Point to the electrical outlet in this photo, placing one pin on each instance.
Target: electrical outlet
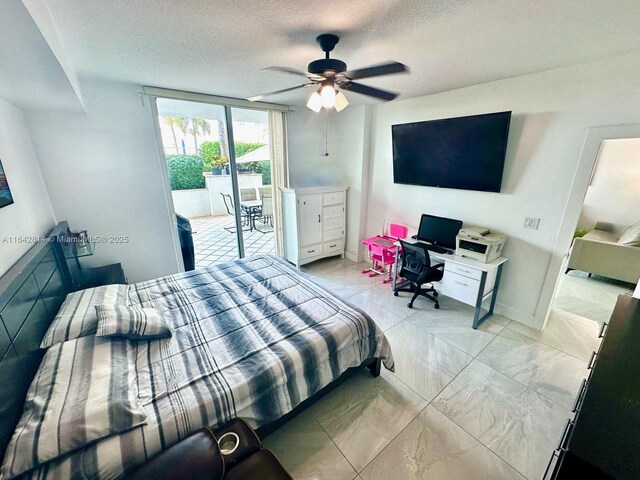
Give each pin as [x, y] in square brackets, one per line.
[531, 222]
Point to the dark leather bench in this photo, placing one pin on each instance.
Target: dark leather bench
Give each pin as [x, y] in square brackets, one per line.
[200, 457]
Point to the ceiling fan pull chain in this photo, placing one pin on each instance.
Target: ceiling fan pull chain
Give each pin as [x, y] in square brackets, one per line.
[326, 133]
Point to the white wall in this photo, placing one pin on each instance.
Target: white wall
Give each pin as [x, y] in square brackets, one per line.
[103, 174]
[31, 213]
[614, 193]
[551, 114]
[347, 163]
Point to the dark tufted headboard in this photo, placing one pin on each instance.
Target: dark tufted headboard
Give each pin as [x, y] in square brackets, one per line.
[31, 293]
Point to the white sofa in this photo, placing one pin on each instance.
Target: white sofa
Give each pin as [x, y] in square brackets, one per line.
[600, 253]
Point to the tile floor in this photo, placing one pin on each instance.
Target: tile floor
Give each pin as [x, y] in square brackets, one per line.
[214, 244]
[463, 404]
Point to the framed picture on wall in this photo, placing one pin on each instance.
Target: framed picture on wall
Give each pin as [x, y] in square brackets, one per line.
[5, 193]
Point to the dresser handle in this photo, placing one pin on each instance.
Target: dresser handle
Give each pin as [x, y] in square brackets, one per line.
[546, 470]
[460, 283]
[576, 404]
[318, 218]
[564, 434]
[333, 246]
[602, 329]
[310, 251]
[592, 362]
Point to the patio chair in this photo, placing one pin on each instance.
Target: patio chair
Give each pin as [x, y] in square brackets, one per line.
[265, 190]
[247, 194]
[266, 217]
[244, 217]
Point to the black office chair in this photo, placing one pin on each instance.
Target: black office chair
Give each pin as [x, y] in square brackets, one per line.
[417, 269]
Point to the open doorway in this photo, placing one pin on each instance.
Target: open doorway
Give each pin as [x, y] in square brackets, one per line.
[604, 258]
[231, 213]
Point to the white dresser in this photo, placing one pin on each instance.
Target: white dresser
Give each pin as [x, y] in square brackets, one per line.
[314, 222]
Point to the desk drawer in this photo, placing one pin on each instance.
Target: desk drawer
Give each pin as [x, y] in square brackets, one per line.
[332, 198]
[334, 246]
[463, 289]
[333, 222]
[463, 270]
[310, 251]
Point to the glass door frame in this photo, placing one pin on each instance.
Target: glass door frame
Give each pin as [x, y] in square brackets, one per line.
[153, 93]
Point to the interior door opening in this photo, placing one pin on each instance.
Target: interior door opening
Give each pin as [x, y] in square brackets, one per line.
[601, 264]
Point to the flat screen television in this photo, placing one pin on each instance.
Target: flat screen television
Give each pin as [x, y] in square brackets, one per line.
[466, 152]
[440, 231]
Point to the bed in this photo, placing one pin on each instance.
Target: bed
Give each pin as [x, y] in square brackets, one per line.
[253, 338]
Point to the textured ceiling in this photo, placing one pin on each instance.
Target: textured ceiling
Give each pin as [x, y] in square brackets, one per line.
[220, 47]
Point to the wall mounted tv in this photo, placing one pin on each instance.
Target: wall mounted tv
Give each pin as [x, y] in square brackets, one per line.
[466, 152]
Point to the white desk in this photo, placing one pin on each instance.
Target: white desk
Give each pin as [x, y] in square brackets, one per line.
[465, 280]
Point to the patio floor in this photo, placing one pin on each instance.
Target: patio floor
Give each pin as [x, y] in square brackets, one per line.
[214, 244]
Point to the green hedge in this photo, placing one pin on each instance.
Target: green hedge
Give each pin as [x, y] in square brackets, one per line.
[185, 171]
[210, 149]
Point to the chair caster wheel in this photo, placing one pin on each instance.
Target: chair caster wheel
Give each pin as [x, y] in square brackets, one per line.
[435, 294]
[409, 305]
[437, 306]
[395, 294]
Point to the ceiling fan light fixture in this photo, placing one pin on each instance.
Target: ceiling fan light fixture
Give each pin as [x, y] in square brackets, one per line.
[341, 102]
[315, 102]
[328, 94]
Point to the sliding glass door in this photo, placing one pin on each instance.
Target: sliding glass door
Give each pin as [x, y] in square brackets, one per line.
[219, 167]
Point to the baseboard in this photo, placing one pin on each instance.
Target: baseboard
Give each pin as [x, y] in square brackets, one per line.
[351, 256]
[515, 314]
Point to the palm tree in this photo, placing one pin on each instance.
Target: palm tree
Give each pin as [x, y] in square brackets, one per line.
[222, 134]
[173, 122]
[199, 125]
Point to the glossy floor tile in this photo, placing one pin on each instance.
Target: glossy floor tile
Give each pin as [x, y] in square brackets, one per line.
[554, 374]
[577, 338]
[519, 425]
[433, 447]
[364, 414]
[424, 362]
[498, 416]
[457, 331]
[307, 452]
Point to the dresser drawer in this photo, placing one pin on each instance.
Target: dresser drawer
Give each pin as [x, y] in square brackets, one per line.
[463, 270]
[334, 246]
[333, 211]
[463, 289]
[333, 222]
[332, 234]
[310, 251]
[332, 198]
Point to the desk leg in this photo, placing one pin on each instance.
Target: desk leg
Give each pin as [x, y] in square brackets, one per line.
[494, 295]
[476, 317]
[395, 269]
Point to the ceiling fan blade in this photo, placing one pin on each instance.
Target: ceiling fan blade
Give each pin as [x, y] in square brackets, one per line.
[376, 70]
[291, 71]
[256, 98]
[370, 91]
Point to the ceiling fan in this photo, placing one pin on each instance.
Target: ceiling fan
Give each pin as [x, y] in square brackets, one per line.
[330, 75]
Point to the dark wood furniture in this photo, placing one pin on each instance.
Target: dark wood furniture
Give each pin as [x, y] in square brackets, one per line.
[602, 439]
[31, 293]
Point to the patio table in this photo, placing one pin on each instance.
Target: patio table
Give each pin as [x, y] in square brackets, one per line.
[252, 207]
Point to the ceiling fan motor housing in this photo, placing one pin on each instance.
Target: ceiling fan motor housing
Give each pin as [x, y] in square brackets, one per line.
[319, 67]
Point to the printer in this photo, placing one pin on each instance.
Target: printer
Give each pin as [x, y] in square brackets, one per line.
[479, 243]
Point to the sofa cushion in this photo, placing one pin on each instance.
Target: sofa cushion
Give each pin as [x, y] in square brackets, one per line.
[601, 236]
[631, 236]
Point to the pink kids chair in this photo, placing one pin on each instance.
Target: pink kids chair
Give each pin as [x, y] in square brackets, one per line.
[382, 250]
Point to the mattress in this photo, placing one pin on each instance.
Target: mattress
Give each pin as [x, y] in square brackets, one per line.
[251, 338]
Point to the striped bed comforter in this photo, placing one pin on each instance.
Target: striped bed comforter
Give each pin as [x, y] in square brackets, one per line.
[251, 338]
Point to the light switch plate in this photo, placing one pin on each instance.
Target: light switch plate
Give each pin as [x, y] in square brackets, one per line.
[531, 222]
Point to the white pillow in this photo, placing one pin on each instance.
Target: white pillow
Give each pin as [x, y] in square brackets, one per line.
[77, 316]
[631, 236]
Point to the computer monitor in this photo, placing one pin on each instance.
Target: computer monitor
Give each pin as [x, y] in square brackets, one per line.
[439, 230]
